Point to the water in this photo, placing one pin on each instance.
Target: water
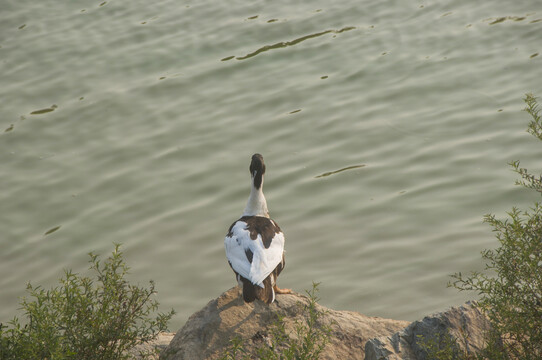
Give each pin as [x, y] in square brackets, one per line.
[134, 122]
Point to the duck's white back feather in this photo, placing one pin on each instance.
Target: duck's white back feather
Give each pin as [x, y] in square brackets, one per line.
[264, 260]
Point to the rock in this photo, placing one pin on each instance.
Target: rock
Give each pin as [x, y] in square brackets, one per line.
[207, 333]
[152, 347]
[465, 323]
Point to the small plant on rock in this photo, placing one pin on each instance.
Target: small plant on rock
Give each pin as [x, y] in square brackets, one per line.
[307, 341]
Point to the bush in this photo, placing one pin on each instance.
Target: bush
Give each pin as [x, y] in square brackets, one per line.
[85, 318]
[510, 289]
[442, 346]
[307, 342]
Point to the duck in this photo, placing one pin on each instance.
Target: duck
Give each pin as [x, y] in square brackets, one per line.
[254, 244]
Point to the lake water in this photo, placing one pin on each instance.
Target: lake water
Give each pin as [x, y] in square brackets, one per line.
[134, 122]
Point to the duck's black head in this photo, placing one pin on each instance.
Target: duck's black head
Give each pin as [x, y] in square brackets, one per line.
[257, 169]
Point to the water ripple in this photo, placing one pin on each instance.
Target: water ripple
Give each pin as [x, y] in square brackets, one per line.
[340, 170]
[284, 44]
[44, 111]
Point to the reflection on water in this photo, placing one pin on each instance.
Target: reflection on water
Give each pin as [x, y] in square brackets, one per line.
[50, 231]
[340, 170]
[44, 111]
[502, 19]
[284, 44]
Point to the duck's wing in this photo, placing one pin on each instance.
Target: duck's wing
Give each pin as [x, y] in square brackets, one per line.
[254, 247]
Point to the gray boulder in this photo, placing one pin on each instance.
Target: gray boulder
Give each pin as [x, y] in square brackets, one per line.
[465, 323]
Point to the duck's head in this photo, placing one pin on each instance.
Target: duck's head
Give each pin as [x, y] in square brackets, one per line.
[257, 169]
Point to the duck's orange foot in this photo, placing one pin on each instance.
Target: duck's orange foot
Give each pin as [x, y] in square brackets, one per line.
[281, 291]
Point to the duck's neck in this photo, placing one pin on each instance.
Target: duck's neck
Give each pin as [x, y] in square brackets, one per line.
[256, 204]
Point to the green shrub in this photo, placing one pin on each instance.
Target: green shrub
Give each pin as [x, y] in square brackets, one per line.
[442, 346]
[85, 318]
[510, 288]
[306, 342]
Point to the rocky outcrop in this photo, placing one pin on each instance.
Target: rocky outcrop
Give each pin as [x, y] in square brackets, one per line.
[207, 333]
[152, 347]
[465, 323]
